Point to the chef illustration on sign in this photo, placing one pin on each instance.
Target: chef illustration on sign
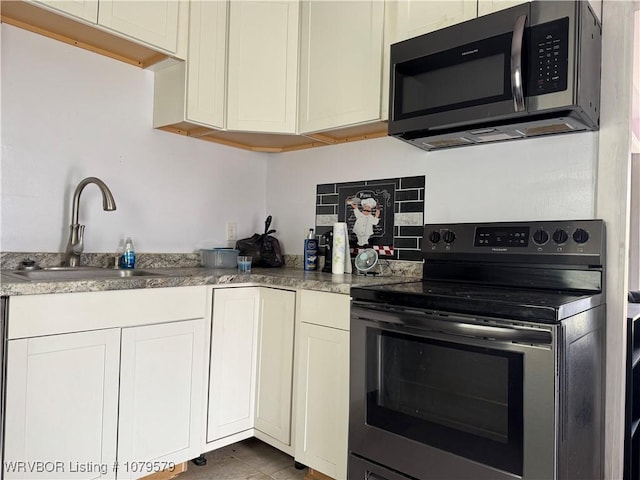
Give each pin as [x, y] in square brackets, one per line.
[365, 219]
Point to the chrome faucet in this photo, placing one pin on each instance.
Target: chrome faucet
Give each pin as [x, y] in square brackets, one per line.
[75, 245]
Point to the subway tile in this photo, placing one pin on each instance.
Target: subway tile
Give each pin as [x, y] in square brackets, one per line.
[328, 199]
[408, 207]
[404, 195]
[410, 255]
[412, 182]
[404, 219]
[326, 220]
[325, 209]
[395, 181]
[321, 230]
[406, 242]
[410, 231]
[326, 188]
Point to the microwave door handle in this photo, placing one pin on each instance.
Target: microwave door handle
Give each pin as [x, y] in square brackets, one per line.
[517, 88]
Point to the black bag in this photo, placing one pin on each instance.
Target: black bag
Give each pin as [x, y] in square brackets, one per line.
[264, 249]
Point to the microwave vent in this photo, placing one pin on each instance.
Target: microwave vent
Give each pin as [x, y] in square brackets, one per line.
[547, 129]
[495, 137]
[447, 142]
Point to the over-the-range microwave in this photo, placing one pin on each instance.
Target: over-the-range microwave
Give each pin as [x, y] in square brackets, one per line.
[529, 70]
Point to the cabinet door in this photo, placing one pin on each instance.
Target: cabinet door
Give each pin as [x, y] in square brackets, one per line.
[206, 65]
[323, 399]
[409, 18]
[340, 63]
[233, 360]
[417, 17]
[84, 9]
[62, 406]
[275, 363]
[490, 6]
[154, 22]
[263, 66]
[161, 388]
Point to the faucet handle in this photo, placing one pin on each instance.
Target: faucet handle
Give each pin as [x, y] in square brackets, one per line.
[78, 247]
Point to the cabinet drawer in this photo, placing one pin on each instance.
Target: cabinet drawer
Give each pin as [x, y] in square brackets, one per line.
[48, 314]
[326, 309]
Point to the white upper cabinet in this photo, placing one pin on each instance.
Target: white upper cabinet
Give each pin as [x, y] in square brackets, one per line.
[409, 18]
[84, 9]
[192, 94]
[490, 6]
[206, 64]
[340, 63]
[154, 22]
[263, 66]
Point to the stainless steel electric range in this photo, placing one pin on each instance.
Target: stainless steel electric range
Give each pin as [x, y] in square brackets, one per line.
[492, 366]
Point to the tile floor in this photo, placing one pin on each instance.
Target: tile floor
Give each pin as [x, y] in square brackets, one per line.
[250, 459]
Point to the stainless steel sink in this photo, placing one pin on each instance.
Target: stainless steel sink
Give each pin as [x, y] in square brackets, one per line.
[79, 273]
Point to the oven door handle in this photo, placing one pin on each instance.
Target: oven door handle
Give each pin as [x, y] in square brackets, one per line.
[458, 326]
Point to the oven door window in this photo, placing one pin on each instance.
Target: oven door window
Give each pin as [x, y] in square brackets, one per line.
[464, 399]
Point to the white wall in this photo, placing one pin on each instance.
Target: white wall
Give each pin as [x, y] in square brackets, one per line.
[613, 206]
[68, 114]
[536, 179]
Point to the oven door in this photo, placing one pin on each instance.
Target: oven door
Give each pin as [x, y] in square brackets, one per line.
[451, 397]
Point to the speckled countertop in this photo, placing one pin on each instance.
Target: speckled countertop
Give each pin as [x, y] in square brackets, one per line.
[193, 276]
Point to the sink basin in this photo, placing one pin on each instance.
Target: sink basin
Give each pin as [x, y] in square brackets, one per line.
[79, 273]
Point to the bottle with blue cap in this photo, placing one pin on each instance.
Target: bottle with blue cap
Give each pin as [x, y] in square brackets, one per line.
[128, 257]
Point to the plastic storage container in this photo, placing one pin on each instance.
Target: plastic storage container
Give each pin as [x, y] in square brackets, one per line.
[219, 257]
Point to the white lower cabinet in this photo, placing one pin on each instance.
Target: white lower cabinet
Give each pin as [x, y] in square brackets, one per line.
[250, 383]
[78, 403]
[62, 406]
[233, 359]
[322, 405]
[100, 379]
[161, 392]
[275, 365]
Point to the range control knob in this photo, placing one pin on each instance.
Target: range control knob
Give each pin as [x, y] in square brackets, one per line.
[560, 236]
[434, 237]
[449, 236]
[580, 236]
[540, 237]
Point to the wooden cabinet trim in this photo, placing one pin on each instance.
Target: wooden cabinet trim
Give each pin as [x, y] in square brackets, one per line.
[73, 32]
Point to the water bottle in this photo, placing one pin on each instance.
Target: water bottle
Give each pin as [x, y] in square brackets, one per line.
[128, 258]
[310, 251]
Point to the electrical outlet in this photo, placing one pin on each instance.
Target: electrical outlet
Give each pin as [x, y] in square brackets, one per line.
[232, 233]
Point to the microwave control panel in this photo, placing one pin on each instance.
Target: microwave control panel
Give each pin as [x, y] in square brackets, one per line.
[548, 57]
